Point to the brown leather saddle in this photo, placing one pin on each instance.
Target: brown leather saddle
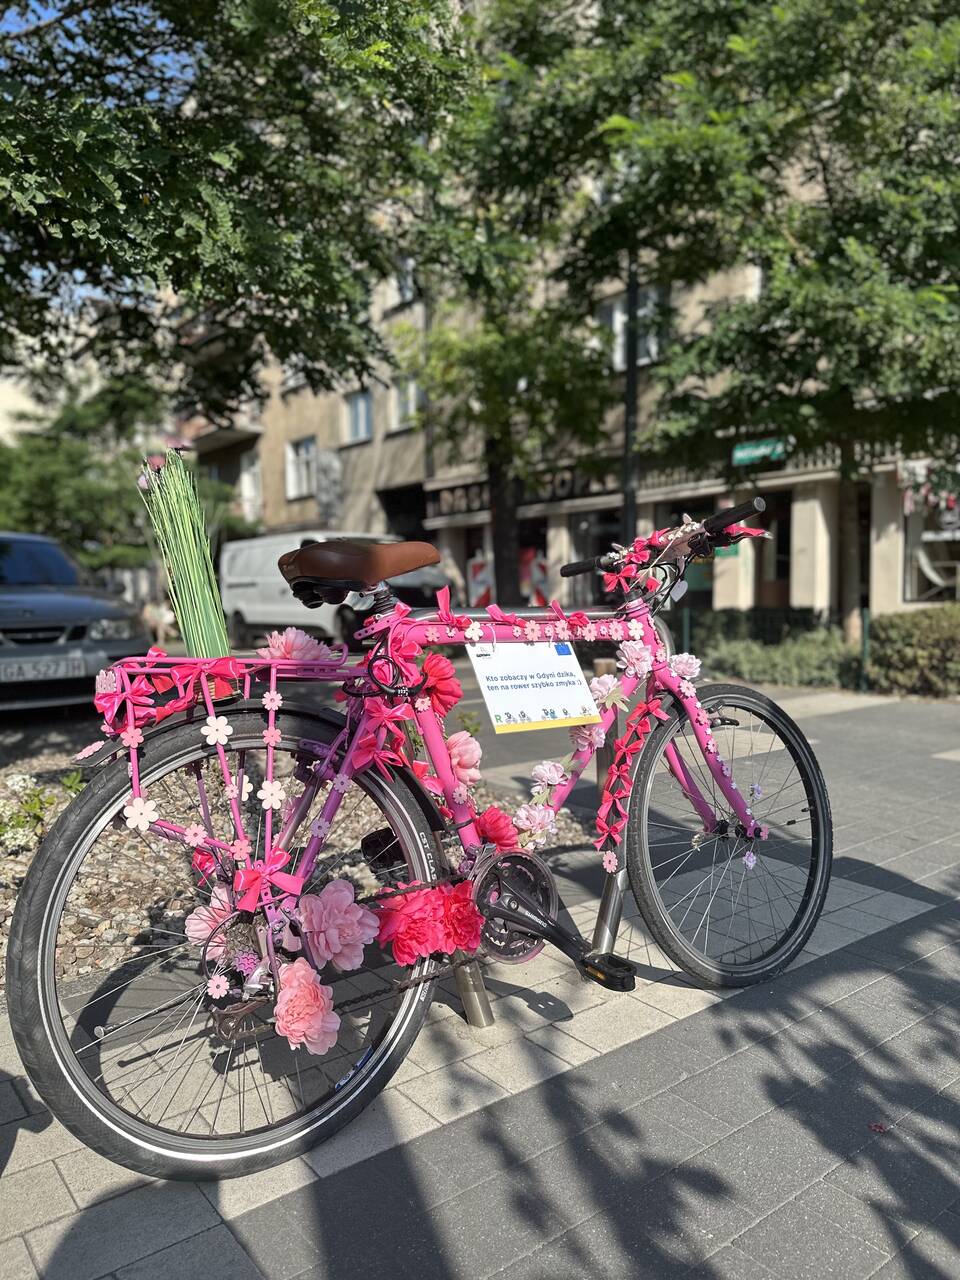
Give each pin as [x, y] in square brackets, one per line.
[323, 572]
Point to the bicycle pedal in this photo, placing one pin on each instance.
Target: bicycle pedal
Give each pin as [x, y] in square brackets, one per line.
[609, 970]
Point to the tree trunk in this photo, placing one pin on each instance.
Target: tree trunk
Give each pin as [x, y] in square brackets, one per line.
[504, 500]
[850, 567]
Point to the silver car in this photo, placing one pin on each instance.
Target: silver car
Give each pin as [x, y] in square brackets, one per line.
[57, 629]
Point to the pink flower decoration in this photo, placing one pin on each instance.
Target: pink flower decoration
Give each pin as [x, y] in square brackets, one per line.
[88, 750]
[203, 920]
[204, 864]
[603, 630]
[131, 738]
[538, 820]
[496, 828]
[460, 794]
[422, 704]
[272, 700]
[531, 630]
[562, 630]
[635, 659]
[304, 1009]
[660, 653]
[272, 737]
[687, 690]
[749, 859]
[295, 645]
[413, 924]
[462, 923]
[685, 665]
[611, 862]
[616, 630]
[517, 632]
[431, 635]
[635, 627]
[241, 848]
[600, 686]
[217, 986]
[549, 774]
[337, 927]
[195, 834]
[465, 753]
[589, 631]
[474, 632]
[588, 737]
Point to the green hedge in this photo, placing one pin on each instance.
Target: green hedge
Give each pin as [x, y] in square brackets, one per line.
[817, 658]
[916, 652]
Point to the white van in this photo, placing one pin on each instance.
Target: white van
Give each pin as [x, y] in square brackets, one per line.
[256, 599]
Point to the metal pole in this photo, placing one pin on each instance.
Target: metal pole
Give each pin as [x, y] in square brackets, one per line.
[864, 647]
[473, 994]
[630, 403]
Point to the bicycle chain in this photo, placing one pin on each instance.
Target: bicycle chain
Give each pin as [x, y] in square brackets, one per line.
[395, 987]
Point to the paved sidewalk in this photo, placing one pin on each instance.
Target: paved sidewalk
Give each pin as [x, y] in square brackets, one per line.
[809, 1127]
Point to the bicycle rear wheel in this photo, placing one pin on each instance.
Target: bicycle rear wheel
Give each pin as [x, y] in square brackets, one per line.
[731, 911]
[115, 1018]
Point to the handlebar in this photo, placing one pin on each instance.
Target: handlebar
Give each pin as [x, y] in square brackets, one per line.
[578, 566]
[733, 515]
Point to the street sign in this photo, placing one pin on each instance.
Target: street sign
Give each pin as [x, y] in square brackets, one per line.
[747, 452]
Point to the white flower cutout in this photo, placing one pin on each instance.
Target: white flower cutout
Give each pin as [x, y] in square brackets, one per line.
[474, 632]
[139, 813]
[216, 730]
[341, 783]
[271, 795]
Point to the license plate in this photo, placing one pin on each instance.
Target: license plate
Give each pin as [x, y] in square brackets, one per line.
[13, 670]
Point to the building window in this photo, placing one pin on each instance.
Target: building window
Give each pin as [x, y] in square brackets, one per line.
[301, 468]
[613, 315]
[406, 284]
[406, 396]
[359, 420]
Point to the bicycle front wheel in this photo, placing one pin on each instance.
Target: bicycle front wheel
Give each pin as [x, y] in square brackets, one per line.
[132, 1043]
[731, 911]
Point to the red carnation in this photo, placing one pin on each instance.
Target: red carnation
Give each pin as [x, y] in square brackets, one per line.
[496, 828]
[462, 922]
[441, 685]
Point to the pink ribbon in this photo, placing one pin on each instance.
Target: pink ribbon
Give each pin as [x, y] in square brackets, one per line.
[443, 611]
[251, 881]
[505, 619]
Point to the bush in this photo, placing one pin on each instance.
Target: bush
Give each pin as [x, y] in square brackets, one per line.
[916, 652]
[816, 658]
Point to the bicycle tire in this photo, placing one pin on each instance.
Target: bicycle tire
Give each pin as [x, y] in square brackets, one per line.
[34, 1009]
[710, 970]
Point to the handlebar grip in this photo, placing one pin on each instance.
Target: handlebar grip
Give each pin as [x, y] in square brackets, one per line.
[733, 515]
[577, 566]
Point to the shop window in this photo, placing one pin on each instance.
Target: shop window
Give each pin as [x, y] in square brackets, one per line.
[772, 555]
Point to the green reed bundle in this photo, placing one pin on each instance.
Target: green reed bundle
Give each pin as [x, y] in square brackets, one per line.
[177, 518]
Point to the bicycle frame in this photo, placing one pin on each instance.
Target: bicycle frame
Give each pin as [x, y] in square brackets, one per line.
[361, 743]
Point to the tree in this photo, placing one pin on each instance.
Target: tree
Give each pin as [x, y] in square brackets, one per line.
[189, 189]
[817, 143]
[519, 384]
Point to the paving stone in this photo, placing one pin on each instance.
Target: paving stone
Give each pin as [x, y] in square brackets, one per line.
[868, 1222]
[828, 936]
[390, 1119]
[676, 996]
[767, 1162]
[32, 1140]
[273, 1241]
[15, 1262]
[797, 1242]
[685, 1115]
[616, 1023]
[118, 1231]
[11, 1107]
[32, 1197]
[902, 1176]
[211, 1255]
[453, 1091]
[91, 1177]
[894, 906]
[934, 1252]
[233, 1196]
[729, 1263]
[452, 1040]
[518, 1064]
[557, 1041]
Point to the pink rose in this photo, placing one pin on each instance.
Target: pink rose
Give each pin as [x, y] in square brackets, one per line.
[413, 923]
[462, 922]
[549, 774]
[337, 928]
[496, 828]
[465, 753]
[304, 1009]
[295, 646]
[635, 658]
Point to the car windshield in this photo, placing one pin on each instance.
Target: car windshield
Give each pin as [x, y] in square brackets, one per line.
[25, 563]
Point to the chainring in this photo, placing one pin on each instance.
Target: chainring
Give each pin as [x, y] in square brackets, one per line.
[493, 875]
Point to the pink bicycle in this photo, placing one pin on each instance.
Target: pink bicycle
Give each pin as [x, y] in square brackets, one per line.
[230, 940]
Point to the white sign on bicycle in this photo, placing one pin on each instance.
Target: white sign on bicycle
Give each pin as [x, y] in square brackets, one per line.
[532, 686]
